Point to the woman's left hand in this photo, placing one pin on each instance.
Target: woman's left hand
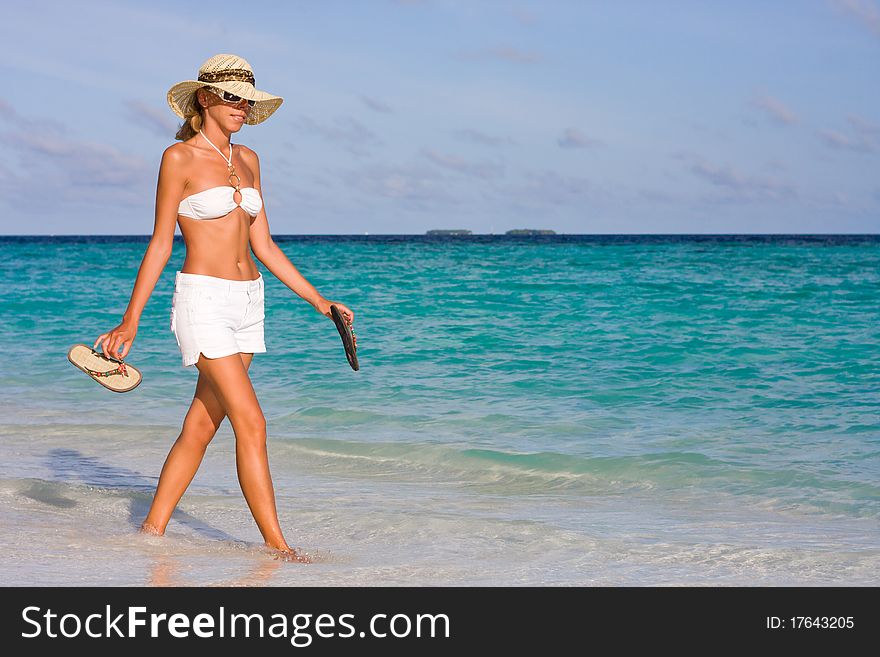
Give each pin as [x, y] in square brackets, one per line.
[323, 307]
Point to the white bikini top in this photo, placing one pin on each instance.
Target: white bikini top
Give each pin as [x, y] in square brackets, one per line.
[218, 202]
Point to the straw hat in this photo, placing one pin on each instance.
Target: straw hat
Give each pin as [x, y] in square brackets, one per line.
[230, 73]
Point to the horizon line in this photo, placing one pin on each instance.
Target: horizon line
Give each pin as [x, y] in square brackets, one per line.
[555, 234]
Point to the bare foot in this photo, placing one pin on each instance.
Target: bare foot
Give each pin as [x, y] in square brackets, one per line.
[147, 528]
[292, 554]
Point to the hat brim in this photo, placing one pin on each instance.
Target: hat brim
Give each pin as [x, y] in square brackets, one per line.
[182, 98]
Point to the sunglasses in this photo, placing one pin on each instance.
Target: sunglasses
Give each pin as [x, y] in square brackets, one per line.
[227, 97]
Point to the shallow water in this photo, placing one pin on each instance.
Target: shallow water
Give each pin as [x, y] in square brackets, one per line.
[565, 411]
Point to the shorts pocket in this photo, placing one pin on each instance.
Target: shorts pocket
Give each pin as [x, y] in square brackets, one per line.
[183, 295]
[261, 302]
[181, 305]
[256, 307]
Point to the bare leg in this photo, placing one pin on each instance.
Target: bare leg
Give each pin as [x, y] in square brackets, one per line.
[229, 380]
[204, 417]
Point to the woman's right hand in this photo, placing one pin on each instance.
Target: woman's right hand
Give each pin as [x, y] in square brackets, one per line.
[112, 342]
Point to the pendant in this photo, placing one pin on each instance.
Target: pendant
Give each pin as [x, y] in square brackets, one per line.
[232, 175]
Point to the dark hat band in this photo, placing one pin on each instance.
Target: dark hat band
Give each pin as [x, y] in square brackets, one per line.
[231, 75]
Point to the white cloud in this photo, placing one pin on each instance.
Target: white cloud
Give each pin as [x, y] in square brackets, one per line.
[354, 136]
[50, 158]
[864, 127]
[376, 105]
[574, 138]
[555, 188]
[864, 11]
[482, 170]
[412, 182]
[864, 136]
[154, 119]
[741, 187]
[477, 137]
[775, 110]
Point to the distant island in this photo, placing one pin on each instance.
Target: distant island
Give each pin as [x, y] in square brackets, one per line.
[531, 231]
[449, 231]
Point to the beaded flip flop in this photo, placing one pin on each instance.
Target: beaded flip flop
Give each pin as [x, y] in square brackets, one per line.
[346, 332]
[113, 374]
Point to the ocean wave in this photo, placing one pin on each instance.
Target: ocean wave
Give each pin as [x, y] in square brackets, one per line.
[536, 473]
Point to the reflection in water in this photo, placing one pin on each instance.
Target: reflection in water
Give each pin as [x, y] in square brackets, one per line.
[71, 466]
[165, 572]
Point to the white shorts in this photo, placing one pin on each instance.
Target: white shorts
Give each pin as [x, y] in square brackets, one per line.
[217, 316]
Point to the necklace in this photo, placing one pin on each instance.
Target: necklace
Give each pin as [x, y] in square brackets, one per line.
[228, 161]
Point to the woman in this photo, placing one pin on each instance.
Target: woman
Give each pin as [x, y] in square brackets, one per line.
[211, 188]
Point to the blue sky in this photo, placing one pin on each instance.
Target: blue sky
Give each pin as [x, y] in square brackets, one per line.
[399, 117]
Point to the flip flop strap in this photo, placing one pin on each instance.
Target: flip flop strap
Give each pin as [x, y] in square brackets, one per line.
[119, 370]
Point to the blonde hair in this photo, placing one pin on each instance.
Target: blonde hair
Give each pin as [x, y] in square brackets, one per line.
[192, 123]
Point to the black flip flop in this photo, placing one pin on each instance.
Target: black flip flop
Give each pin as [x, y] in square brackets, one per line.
[346, 334]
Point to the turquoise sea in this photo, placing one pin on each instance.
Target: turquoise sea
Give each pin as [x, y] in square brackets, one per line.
[560, 410]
